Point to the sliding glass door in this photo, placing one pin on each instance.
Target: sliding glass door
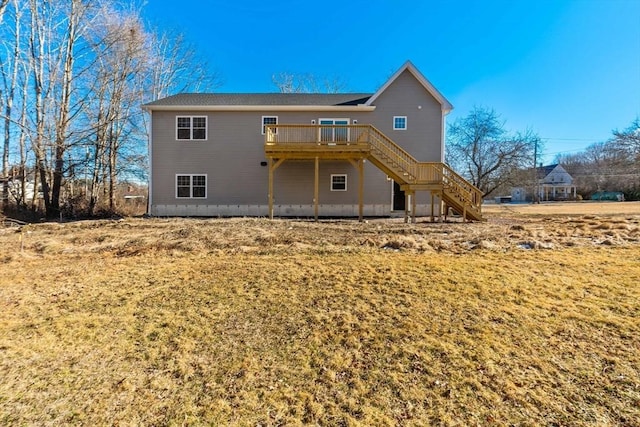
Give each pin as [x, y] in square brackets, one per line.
[330, 130]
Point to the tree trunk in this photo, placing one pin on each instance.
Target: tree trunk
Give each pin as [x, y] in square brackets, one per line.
[62, 124]
[9, 97]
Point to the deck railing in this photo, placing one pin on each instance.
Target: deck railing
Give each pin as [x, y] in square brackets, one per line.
[317, 134]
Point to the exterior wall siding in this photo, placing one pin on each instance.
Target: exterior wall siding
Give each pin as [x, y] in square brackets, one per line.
[237, 183]
[231, 158]
[404, 97]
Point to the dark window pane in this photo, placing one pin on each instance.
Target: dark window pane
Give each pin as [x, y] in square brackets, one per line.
[199, 122]
[183, 192]
[199, 191]
[184, 122]
[199, 134]
[184, 134]
[338, 183]
[199, 180]
[184, 180]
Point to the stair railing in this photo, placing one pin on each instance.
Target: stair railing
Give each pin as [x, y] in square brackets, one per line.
[394, 156]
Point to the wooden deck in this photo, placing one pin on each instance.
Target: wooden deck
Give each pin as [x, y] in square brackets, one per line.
[356, 143]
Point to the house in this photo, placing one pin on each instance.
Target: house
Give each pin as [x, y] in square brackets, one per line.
[16, 192]
[553, 183]
[277, 154]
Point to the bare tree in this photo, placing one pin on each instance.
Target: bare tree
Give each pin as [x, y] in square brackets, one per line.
[629, 139]
[37, 40]
[174, 66]
[73, 75]
[479, 146]
[9, 71]
[3, 6]
[307, 83]
[75, 21]
[121, 57]
[612, 165]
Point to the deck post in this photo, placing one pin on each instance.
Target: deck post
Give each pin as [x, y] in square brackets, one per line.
[413, 207]
[406, 207]
[431, 193]
[316, 190]
[360, 189]
[272, 167]
[270, 187]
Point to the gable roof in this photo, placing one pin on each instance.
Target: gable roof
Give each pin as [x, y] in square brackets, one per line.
[259, 101]
[327, 99]
[290, 101]
[543, 171]
[408, 66]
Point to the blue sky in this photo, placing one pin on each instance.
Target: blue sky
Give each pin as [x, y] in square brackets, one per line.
[569, 70]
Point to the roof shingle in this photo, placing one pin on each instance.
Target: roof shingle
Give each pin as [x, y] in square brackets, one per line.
[206, 99]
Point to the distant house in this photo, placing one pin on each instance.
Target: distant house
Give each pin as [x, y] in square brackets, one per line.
[553, 183]
[16, 192]
[292, 154]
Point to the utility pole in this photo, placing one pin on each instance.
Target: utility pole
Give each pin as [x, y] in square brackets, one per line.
[536, 196]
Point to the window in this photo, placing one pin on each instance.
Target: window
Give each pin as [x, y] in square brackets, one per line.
[191, 186]
[191, 128]
[338, 182]
[268, 120]
[399, 122]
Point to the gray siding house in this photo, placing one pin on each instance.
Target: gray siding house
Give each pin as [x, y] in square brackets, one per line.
[275, 154]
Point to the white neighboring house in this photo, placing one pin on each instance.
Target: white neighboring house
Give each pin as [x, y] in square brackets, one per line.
[554, 183]
[15, 189]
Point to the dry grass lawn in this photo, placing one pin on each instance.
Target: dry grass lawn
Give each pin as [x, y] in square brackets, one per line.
[526, 319]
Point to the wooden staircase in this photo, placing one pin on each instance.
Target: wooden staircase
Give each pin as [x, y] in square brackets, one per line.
[412, 175]
[359, 142]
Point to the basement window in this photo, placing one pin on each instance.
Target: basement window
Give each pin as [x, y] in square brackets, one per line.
[191, 186]
[339, 182]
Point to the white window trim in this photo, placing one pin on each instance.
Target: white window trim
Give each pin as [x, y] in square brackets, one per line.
[206, 185]
[263, 126]
[345, 181]
[399, 117]
[206, 128]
